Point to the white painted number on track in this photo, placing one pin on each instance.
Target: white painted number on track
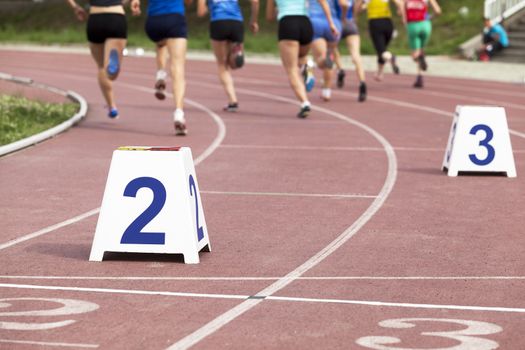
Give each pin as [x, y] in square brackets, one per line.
[69, 307]
[466, 337]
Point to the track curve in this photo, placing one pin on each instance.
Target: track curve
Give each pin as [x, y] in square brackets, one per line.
[277, 191]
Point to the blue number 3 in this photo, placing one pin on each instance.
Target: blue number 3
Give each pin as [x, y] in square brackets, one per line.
[193, 192]
[491, 153]
[134, 234]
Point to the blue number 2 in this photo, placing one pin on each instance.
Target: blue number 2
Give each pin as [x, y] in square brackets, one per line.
[491, 153]
[134, 234]
[193, 192]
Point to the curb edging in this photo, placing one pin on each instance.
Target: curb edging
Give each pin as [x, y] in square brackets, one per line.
[49, 133]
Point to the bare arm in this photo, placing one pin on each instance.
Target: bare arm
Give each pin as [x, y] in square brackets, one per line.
[343, 4]
[436, 7]
[135, 7]
[358, 7]
[254, 24]
[270, 10]
[326, 10]
[80, 13]
[400, 5]
[202, 8]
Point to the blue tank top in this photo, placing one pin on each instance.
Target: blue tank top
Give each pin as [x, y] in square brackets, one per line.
[349, 14]
[224, 9]
[316, 10]
[164, 7]
[104, 3]
[291, 8]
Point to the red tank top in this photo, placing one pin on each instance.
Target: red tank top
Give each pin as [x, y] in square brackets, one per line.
[416, 10]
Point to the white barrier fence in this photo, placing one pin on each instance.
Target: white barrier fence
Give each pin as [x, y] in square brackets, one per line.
[497, 10]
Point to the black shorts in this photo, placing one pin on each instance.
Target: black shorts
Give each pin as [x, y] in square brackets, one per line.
[171, 25]
[349, 28]
[102, 26]
[297, 28]
[229, 30]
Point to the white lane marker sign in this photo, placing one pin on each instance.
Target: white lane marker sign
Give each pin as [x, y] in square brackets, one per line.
[151, 204]
[479, 141]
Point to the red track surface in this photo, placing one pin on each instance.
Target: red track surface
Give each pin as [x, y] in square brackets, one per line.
[444, 251]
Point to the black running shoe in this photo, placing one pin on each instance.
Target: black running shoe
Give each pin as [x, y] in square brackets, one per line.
[304, 112]
[422, 62]
[419, 82]
[362, 92]
[231, 107]
[341, 78]
[395, 67]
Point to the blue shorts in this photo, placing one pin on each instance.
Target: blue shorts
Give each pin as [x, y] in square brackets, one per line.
[161, 27]
[322, 29]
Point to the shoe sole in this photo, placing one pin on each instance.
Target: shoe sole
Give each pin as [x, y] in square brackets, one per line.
[303, 114]
[113, 65]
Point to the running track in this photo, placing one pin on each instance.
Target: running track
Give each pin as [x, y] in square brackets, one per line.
[339, 231]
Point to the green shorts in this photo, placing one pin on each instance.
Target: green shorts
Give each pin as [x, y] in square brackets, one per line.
[418, 34]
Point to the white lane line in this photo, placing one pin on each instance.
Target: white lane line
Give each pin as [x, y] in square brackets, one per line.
[475, 99]
[253, 300]
[41, 343]
[288, 194]
[49, 229]
[221, 134]
[251, 278]
[124, 291]
[336, 148]
[402, 305]
[303, 148]
[418, 107]
[483, 91]
[378, 202]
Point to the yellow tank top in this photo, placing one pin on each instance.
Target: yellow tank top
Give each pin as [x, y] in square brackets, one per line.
[378, 9]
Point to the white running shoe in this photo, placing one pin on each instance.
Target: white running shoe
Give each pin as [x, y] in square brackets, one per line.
[160, 84]
[326, 94]
[179, 122]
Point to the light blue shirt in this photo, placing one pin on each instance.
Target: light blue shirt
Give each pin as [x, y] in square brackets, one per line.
[502, 34]
[164, 7]
[291, 8]
[224, 10]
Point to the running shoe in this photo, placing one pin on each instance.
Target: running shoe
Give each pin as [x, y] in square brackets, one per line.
[395, 67]
[179, 123]
[422, 62]
[160, 84]
[326, 94]
[419, 82]
[113, 113]
[236, 59]
[304, 112]
[231, 107]
[113, 64]
[362, 92]
[308, 75]
[341, 78]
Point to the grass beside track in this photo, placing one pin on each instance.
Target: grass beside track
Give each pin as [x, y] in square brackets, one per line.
[20, 117]
[53, 22]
